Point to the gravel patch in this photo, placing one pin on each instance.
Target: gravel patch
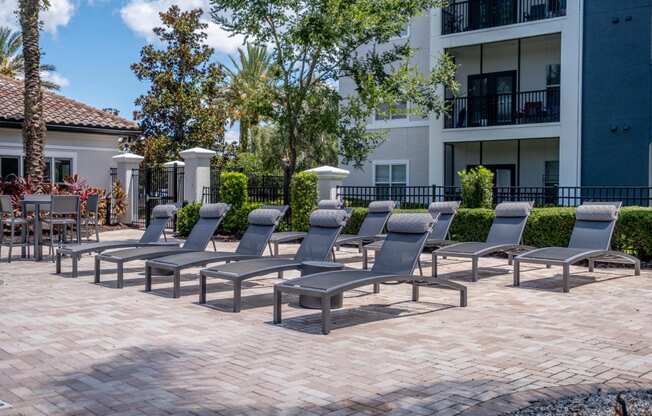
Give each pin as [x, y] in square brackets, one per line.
[638, 403]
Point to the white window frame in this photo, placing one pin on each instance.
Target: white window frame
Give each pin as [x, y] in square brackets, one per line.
[48, 155]
[391, 162]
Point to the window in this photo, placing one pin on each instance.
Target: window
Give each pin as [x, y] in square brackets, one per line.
[397, 111]
[9, 167]
[391, 174]
[62, 169]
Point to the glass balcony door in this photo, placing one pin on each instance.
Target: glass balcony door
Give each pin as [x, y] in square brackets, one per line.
[490, 13]
[492, 99]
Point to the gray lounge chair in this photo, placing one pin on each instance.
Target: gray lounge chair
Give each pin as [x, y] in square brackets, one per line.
[590, 240]
[371, 228]
[161, 214]
[210, 217]
[262, 223]
[395, 263]
[325, 226]
[443, 212]
[284, 237]
[505, 236]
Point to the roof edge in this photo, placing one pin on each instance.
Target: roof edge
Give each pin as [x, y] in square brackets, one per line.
[76, 129]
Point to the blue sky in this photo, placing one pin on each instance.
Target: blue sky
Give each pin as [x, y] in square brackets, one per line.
[93, 42]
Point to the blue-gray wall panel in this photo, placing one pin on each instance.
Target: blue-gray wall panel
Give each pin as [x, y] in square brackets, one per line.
[616, 92]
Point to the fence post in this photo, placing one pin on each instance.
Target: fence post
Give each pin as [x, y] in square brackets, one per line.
[328, 179]
[126, 163]
[197, 172]
[172, 170]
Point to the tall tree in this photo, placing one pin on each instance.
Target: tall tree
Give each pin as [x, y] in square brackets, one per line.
[250, 89]
[315, 43]
[34, 122]
[186, 102]
[11, 57]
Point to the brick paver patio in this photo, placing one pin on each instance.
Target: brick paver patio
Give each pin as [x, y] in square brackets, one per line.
[70, 347]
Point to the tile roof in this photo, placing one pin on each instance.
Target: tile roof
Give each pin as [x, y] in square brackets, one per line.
[58, 110]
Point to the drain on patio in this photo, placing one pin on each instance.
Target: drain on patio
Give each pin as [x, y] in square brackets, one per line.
[632, 403]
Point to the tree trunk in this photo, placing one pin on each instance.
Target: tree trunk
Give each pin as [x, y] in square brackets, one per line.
[244, 135]
[34, 122]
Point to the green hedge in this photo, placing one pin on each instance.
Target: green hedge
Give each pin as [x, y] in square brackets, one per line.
[187, 218]
[304, 199]
[233, 189]
[235, 222]
[546, 227]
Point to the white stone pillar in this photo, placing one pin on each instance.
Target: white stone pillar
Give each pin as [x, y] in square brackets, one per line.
[171, 178]
[197, 172]
[329, 178]
[126, 164]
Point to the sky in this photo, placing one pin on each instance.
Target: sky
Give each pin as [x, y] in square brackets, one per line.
[92, 43]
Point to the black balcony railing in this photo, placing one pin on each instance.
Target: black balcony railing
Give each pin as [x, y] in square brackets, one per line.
[503, 109]
[464, 16]
[542, 196]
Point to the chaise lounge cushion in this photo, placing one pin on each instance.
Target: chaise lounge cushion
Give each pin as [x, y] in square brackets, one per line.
[381, 206]
[263, 216]
[328, 218]
[213, 210]
[448, 207]
[596, 213]
[330, 204]
[163, 211]
[513, 209]
[410, 223]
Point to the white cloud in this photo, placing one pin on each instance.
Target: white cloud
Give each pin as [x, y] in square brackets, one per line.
[56, 78]
[142, 16]
[57, 15]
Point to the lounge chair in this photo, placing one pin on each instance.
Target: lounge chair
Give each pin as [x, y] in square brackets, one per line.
[262, 223]
[372, 226]
[443, 212]
[296, 236]
[161, 214]
[590, 240]
[210, 217]
[505, 236]
[325, 226]
[395, 263]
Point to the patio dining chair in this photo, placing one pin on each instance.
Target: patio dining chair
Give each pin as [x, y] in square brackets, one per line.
[10, 219]
[91, 217]
[64, 213]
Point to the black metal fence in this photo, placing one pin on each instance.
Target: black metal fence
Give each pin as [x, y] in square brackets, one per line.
[525, 107]
[464, 16]
[262, 189]
[421, 196]
[157, 185]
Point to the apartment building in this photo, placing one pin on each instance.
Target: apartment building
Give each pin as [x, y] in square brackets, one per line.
[553, 92]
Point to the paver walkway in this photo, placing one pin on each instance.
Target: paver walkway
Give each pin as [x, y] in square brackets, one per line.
[70, 347]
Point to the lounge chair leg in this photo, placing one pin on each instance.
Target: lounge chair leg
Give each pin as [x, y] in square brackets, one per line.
[591, 265]
[566, 274]
[121, 281]
[75, 264]
[275, 249]
[434, 265]
[58, 263]
[325, 315]
[474, 269]
[202, 288]
[365, 259]
[278, 297]
[376, 288]
[517, 273]
[176, 292]
[510, 259]
[271, 250]
[420, 268]
[214, 246]
[415, 291]
[463, 298]
[97, 269]
[548, 266]
[637, 268]
[333, 253]
[148, 278]
[237, 295]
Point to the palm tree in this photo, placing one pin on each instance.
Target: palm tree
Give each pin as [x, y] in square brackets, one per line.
[250, 89]
[11, 57]
[34, 122]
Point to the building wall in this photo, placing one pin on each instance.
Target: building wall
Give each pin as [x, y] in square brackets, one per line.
[91, 153]
[402, 144]
[616, 106]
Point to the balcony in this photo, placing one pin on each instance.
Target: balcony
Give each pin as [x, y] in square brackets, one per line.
[528, 107]
[465, 16]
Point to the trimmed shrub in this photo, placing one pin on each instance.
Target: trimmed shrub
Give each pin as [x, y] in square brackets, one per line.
[304, 199]
[233, 189]
[477, 187]
[236, 221]
[187, 217]
[546, 227]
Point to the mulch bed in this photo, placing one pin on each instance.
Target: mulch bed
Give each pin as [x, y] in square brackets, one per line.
[636, 403]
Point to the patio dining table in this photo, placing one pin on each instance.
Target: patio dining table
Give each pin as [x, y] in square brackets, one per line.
[39, 202]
